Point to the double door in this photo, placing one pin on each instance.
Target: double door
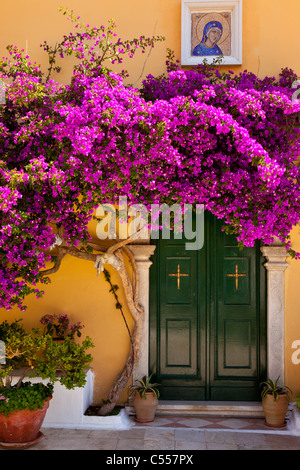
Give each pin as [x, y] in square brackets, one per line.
[208, 318]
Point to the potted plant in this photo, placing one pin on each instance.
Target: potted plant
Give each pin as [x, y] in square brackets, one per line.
[23, 404]
[275, 401]
[145, 399]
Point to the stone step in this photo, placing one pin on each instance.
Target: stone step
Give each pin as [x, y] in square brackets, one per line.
[205, 408]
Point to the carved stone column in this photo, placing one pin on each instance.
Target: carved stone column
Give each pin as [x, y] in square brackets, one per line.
[142, 255]
[276, 265]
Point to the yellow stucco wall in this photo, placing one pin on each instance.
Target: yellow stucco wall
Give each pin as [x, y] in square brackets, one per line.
[75, 290]
[270, 29]
[270, 42]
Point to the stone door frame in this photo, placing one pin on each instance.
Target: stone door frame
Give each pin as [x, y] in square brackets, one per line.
[275, 264]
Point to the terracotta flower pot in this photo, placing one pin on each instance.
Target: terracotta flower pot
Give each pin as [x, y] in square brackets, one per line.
[145, 408]
[275, 410]
[22, 426]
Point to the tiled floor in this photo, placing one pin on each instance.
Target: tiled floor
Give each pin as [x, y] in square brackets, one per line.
[187, 422]
[172, 433]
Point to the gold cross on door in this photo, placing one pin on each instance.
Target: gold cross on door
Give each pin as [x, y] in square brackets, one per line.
[237, 275]
[178, 275]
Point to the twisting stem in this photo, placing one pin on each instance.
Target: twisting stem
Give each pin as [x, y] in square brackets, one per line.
[131, 297]
[113, 289]
[18, 385]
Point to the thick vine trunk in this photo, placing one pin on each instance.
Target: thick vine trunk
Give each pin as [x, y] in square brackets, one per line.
[131, 290]
[137, 313]
[117, 387]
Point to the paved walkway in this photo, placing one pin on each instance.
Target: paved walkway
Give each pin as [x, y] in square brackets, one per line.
[171, 433]
[164, 439]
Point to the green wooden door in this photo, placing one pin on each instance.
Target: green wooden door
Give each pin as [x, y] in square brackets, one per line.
[207, 319]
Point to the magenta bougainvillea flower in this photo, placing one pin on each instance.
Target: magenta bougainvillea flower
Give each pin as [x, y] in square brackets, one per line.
[199, 136]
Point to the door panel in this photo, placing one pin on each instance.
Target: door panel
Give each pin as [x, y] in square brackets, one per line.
[178, 278]
[207, 319]
[236, 280]
[237, 339]
[179, 349]
[178, 322]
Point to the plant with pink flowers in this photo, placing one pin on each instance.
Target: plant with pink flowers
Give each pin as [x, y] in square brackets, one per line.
[198, 136]
[59, 327]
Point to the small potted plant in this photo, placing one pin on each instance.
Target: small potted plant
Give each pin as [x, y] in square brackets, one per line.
[59, 327]
[275, 402]
[145, 399]
[23, 404]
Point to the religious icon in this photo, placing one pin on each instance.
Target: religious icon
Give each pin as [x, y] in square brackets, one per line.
[211, 34]
[211, 31]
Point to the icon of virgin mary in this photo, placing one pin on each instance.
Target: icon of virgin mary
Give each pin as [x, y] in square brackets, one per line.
[212, 33]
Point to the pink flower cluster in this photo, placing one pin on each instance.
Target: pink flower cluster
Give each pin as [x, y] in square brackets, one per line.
[59, 326]
[4, 398]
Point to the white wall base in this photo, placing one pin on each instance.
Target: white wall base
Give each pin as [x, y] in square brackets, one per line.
[67, 408]
[115, 423]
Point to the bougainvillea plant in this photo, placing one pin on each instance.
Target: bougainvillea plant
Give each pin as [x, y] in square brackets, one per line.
[196, 136]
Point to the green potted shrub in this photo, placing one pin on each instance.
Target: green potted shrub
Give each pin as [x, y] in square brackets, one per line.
[275, 400]
[145, 399]
[23, 404]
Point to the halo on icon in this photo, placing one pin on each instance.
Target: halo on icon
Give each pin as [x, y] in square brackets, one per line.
[213, 17]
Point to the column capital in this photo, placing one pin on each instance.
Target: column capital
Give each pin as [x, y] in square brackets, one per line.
[142, 254]
[276, 257]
